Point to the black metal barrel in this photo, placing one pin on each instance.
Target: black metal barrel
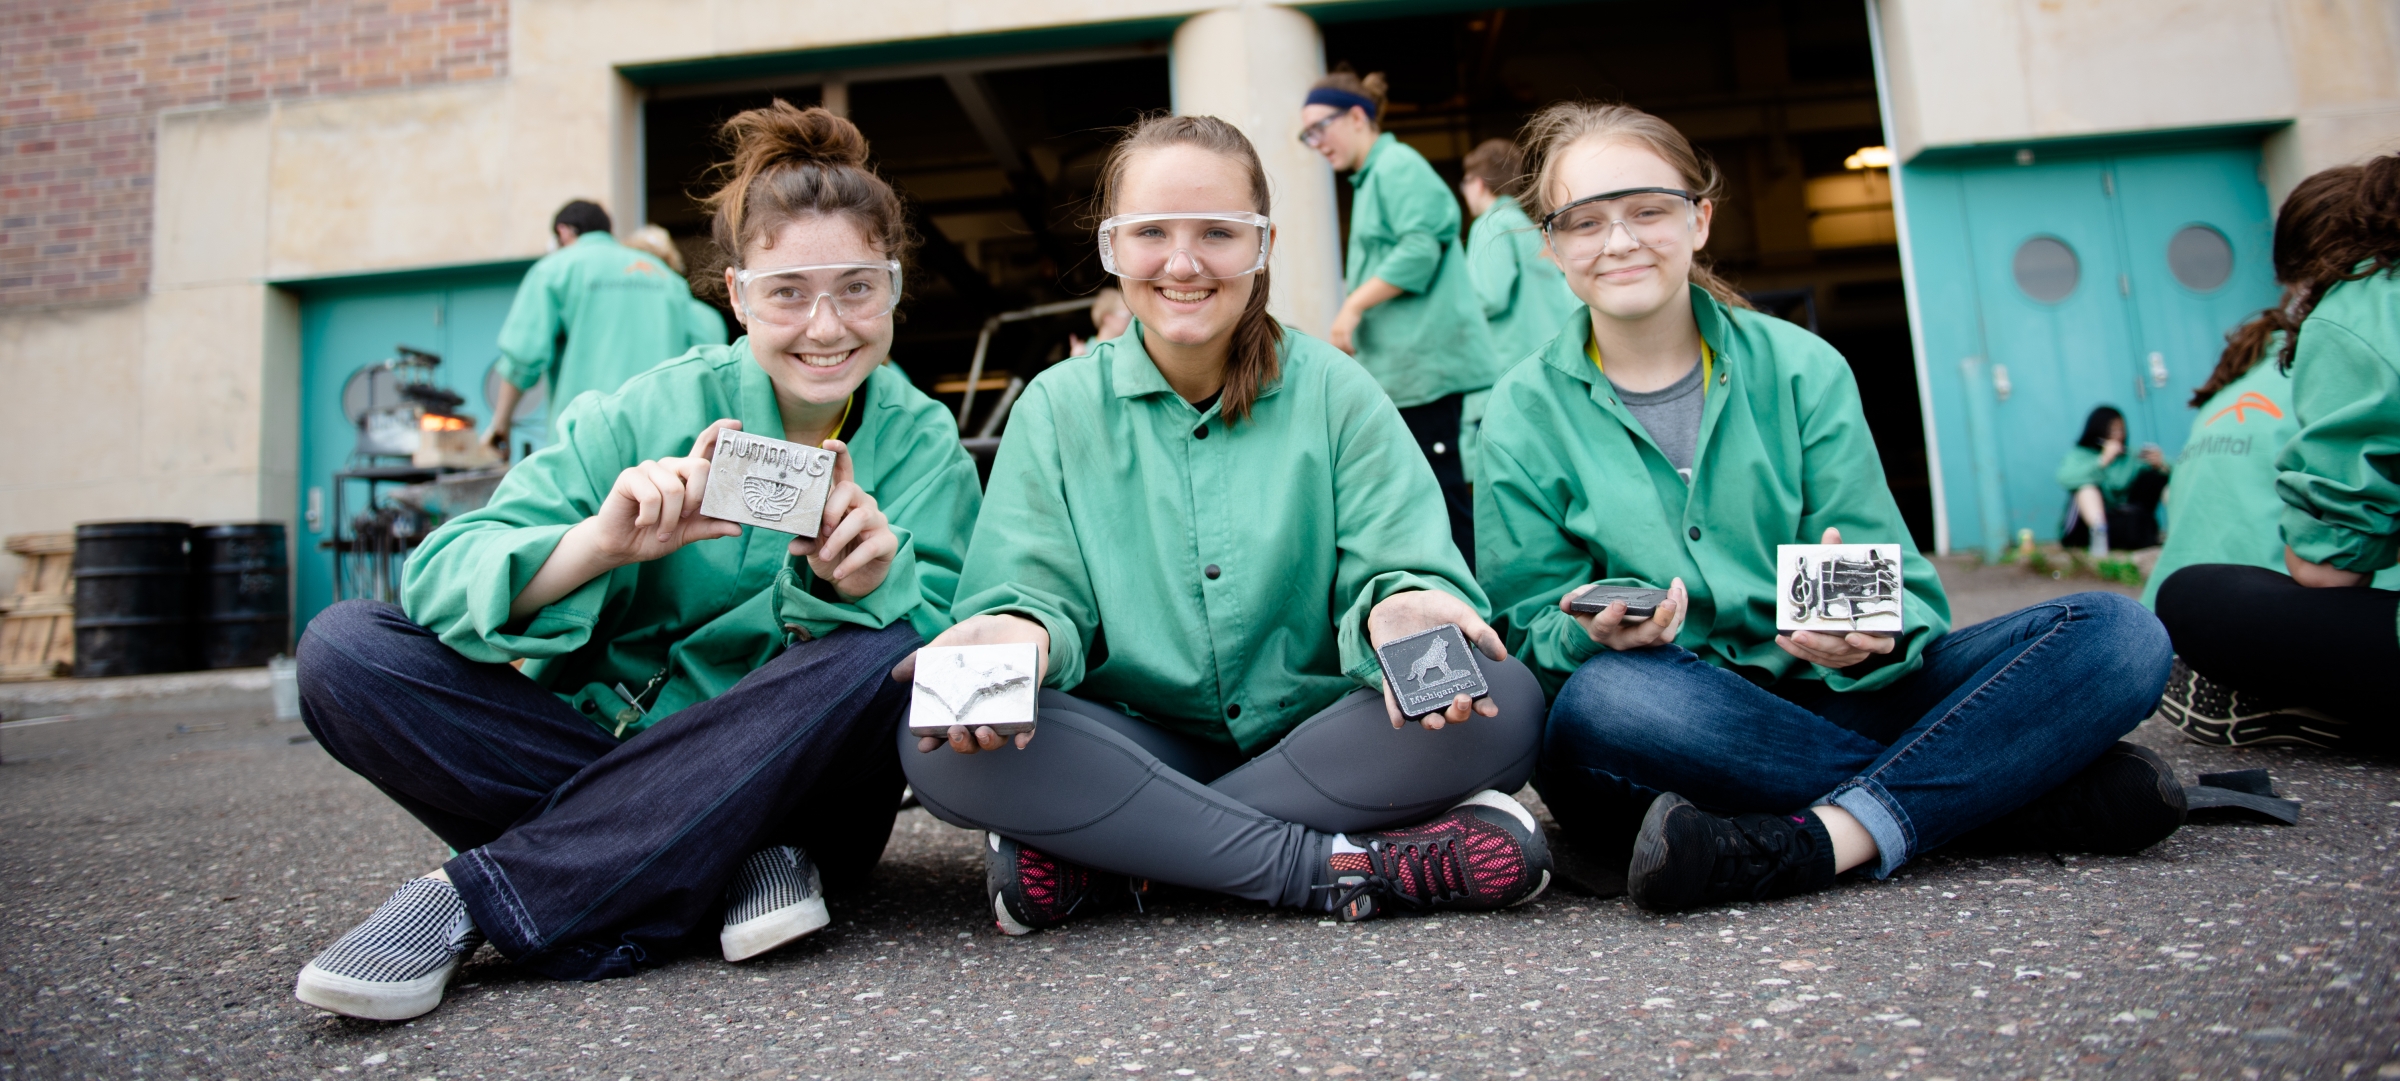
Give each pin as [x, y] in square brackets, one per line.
[133, 598]
[241, 594]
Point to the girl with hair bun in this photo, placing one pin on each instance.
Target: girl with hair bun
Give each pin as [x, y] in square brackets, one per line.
[702, 729]
[1670, 438]
[1206, 527]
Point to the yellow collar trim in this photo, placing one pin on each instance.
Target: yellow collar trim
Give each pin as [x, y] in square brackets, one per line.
[1708, 362]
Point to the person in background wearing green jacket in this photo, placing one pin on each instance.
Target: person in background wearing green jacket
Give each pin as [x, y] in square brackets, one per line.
[707, 327]
[701, 736]
[1525, 297]
[2114, 496]
[1669, 437]
[590, 316]
[1205, 528]
[1412, 317]
[2309, 654]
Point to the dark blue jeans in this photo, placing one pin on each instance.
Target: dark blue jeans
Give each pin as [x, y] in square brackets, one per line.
[582, 857]
[1999, 713]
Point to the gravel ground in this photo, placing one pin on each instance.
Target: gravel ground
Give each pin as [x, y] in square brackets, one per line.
[168, 868]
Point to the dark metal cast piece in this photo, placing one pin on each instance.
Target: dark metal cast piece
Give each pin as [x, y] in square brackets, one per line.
[1428, 668]
[1640, 602]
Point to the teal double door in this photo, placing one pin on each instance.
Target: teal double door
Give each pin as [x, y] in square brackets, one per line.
[2051, 283]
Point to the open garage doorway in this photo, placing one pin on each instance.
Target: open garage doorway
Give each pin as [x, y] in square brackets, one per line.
[996, 160]
[1780, 94]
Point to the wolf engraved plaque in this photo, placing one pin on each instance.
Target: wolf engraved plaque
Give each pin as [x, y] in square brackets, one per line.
[768, 483]
[976, 686]
[1426, 668]
[1838, 588]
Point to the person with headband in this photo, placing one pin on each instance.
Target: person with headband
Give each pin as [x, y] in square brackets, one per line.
[1525, 297]
[701, 737]
[1205, 528]
[1412, 317]
[1670, 438]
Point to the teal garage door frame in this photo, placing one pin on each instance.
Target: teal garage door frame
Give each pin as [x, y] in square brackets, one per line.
[2054, 276]
[350, 322]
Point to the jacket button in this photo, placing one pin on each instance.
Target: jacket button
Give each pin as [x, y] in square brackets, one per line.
[1695, 532]
[1200, 432]
[1211, 571]
[1233, 711]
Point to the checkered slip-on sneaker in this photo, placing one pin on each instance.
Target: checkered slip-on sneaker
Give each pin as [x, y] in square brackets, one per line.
[775, 898]
[395, 965]
[2215, 715]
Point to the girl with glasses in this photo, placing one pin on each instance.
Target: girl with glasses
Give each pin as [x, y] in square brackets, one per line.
[1205, 527]
[1670, 438]
[702, 726]
[1412, 319]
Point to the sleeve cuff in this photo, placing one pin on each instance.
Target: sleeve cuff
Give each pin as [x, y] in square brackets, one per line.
[2316, 541]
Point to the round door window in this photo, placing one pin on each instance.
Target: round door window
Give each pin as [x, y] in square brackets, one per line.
[2046, 269]
[2200, 257]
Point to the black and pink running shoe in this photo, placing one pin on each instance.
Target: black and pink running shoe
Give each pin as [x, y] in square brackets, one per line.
[1485, 853]
[1032, 889]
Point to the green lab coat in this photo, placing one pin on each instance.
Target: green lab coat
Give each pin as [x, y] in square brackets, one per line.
[2339, 478]
[1113, 498]
[1572, 491]
[712, 611]
[707, 327]
[1431, 341]
[619, 310]
[1525, 297]
[2082, 466]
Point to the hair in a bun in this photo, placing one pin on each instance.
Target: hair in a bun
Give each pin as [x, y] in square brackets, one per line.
[787, 163]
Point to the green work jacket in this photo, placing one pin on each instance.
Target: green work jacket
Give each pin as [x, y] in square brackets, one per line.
[617, 310]
[1209, 578]
[707, 327]
[1573, 491]
[1525, 297]
[710, 612]
[2082, 466]
[2223, 508]
[2339, 478]
[1431, 341]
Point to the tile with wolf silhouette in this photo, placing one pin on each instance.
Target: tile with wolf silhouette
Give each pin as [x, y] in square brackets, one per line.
[768, 483]
[1426, 668]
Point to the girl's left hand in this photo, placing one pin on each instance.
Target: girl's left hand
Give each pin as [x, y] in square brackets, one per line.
[1404, 614]
[1835, 650]
[854, 546]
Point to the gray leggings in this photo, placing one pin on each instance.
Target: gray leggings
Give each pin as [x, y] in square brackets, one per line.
[1117, 794]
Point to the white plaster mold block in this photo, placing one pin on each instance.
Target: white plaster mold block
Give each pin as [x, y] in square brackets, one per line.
[976, 686]
[1838, 588]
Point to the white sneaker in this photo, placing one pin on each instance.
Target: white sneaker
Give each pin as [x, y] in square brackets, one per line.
[775, 898]
[396, 965]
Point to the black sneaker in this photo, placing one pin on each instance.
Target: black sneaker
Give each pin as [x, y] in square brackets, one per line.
[1032, 889]
[2125, 801]
[395, 965]
[1485, 853]
[1688, 858]
[775, 898]
[2215, 715]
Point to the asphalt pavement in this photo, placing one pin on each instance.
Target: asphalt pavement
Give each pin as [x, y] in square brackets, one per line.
[166, 865]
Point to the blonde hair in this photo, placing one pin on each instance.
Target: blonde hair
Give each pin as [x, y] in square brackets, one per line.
[653, 238]
[1553, 130]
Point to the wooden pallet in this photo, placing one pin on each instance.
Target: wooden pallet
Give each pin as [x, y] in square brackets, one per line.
[37, 622]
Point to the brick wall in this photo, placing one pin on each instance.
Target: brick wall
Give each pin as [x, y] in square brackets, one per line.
[82, 81]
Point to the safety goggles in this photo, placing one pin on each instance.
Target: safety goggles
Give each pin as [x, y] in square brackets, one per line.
[1215, 244]
[1648, 217]
[788, 296]
[1314, 134]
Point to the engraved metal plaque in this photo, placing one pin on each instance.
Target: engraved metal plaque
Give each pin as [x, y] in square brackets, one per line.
[1426, 668]
[1838, 588]
[768, 483]
[977, 686]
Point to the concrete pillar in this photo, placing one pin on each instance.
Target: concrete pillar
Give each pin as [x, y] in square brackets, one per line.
[1252, 65]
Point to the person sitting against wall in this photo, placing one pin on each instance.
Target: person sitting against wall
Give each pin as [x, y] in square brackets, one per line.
[1412, 317]
[1525, 297]
[708, 326]
[2328, 679]
[1205, 528]
[702, 733]
[589, 316]
[2114, 496]
[1719, 759]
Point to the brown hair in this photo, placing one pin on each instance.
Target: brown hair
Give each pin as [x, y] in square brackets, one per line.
[1560, 126]
[786, 164]
[1256, 358]
[2338, 225]
[1371, 86]
[1497, 163]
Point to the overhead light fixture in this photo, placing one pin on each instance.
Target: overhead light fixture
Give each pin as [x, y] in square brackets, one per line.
[1869, 157]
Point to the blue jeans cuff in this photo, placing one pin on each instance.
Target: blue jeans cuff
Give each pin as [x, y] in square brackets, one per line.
[1873, 808]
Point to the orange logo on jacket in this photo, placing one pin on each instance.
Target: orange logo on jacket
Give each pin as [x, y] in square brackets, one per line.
[2249, 400]
[644, 266]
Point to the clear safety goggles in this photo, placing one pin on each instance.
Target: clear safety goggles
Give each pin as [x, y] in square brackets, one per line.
[1218, 244]
[788, 296]
[1646, 217]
